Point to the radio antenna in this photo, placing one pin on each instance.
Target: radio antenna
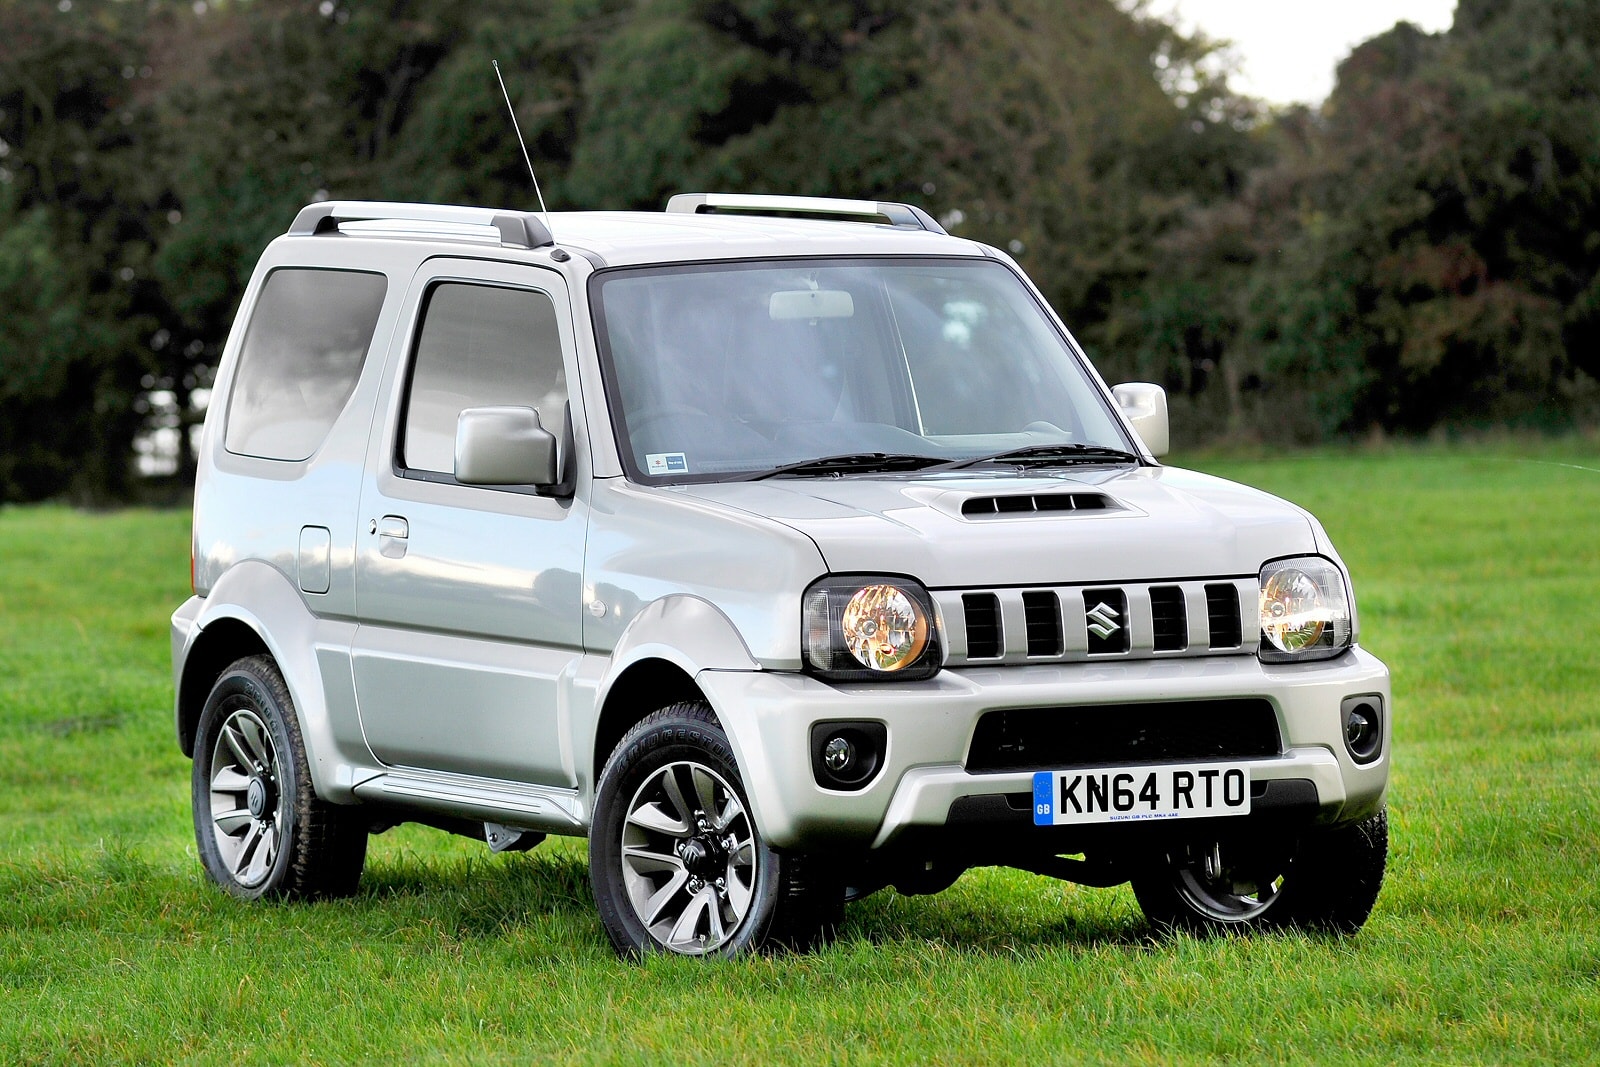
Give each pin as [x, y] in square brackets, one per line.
[524, 145]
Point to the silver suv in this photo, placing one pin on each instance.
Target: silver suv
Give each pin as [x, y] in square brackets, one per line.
[786, 548]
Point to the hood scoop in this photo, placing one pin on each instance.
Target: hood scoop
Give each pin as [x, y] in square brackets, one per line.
[1020, 505]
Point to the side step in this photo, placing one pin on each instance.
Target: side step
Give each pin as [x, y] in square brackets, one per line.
[513, 807]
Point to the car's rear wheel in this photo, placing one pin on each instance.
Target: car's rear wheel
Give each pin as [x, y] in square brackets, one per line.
[676, 859]
[1327, 881]
[260, 828]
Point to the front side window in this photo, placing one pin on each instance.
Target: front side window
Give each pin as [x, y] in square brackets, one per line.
[729, 370]
[480, 346]
[303, 350]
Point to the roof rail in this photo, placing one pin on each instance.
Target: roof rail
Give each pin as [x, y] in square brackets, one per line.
[901, 216]
[518, 229]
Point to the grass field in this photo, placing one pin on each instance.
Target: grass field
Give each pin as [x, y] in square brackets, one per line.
[1478, 576]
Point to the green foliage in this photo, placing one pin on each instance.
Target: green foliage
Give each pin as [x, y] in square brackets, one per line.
[74, 249]
[1482, 949]
[1422, 251]
[1041, 126]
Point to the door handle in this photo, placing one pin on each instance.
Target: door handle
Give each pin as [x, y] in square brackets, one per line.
[392, 531]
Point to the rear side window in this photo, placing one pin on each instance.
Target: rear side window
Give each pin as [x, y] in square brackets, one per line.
[480, 345]
[303, 351]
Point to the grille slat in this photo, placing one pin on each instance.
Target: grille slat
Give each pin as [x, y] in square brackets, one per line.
[1043, 614]
[982, 613]
[1102, 734]
[1073, 623]
[1222, 612]
[1168, 618]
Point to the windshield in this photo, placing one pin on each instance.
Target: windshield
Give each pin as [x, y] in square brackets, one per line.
[731, 370]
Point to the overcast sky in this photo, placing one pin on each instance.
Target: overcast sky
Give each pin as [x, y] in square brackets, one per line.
[1290, 47]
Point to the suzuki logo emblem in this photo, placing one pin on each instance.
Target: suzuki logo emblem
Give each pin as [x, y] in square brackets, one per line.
[1103, 620]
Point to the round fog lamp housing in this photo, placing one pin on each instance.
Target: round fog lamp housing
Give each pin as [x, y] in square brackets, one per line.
[847, 756]
[1363, 727]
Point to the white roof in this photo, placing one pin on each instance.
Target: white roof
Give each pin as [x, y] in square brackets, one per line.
[626, 238]
[634, 237]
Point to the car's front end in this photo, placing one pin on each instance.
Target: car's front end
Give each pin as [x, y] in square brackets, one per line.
[1141, 633]
[1026, 642]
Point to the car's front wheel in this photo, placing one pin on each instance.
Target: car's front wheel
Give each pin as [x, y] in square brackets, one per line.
[1327, 881]
[260, 828]
[675, 856]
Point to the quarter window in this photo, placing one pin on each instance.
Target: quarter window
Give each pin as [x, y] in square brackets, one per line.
[479, 346]
[302, 354]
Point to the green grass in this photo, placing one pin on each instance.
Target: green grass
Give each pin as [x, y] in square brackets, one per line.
[1478, 574]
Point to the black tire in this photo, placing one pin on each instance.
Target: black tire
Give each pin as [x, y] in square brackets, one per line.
[1326, 882]
[261, 830]
[671, 798]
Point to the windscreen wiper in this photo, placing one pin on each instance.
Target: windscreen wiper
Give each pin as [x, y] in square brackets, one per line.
[1060, 455]
[847, 463]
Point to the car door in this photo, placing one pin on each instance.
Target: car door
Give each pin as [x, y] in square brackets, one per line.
[467, 597]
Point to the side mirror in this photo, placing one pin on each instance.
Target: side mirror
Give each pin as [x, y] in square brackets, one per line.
[504, 446]
[1145, 406]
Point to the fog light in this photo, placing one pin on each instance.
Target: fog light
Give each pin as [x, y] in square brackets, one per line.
[1363, 726]
[1358, 732]
[846, 756]
[837, 755]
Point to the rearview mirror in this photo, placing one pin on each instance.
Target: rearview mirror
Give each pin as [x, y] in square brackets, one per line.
[1145, 406]
[811, 304]
[504, 446]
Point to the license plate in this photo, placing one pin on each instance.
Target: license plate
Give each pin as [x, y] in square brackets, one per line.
[1138, 794]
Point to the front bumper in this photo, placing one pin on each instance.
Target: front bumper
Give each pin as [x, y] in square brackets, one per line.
[769, 715]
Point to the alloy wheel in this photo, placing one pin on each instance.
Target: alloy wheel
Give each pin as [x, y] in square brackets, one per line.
[689, 858]
[249, 808]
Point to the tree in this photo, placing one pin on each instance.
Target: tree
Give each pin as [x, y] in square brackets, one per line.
[75, 235]
[1421, 252]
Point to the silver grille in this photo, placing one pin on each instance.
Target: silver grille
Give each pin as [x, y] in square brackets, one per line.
[1078, 623]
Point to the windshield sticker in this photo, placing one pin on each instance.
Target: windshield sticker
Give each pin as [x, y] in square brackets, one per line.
[666, 463]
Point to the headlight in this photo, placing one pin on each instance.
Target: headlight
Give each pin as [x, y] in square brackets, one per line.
[870, 627]
[1305, 613]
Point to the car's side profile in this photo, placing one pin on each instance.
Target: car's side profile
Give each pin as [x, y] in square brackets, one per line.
[784, 548]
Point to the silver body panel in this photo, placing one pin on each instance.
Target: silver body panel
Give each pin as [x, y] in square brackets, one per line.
[1166, 523]
[466, 597]
[453, 649]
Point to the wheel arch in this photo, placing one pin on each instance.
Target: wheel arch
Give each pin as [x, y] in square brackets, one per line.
[221, 643]
[644, 686]
[655, 664]
[255, 609]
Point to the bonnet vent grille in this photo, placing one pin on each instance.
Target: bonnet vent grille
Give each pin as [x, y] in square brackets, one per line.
[980, 507]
